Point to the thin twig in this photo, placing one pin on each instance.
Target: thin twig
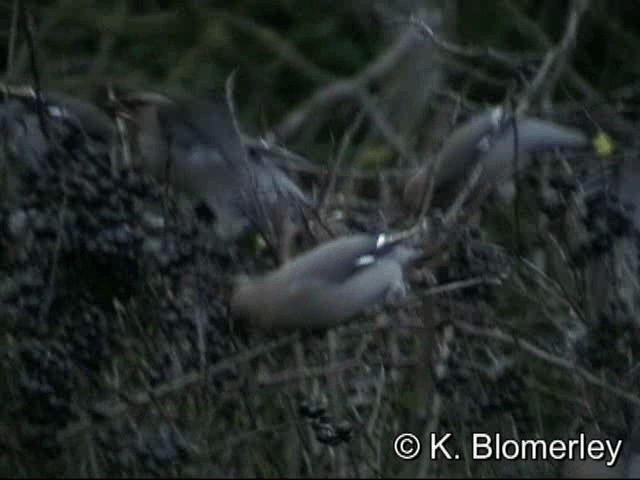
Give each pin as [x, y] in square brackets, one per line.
[453, 212]
[497, 334]
[53, 274]
[349, 88]
[441, 370]
[113, 409]
[430, 174]
[506, 59]
[13, 34]
[345, 143]
[556, 60]
[461, 284]
[27, 26]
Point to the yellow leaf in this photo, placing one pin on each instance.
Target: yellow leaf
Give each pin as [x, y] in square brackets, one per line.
[374, 156]
[603, 144]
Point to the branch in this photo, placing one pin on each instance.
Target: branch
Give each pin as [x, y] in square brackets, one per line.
[342, 153]
[116, 408]
[506, 59]
[497, 334]
[270, 39]
[557, 59]
[343, 89]
[535, 33]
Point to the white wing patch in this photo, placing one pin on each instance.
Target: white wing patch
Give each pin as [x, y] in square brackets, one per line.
[365, 260]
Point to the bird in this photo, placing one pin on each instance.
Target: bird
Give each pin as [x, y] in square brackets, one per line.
[195, 146]
[489, 138]
[22, 135]
[325, 286]
[33, 125]
[86, 116]
[82, 114]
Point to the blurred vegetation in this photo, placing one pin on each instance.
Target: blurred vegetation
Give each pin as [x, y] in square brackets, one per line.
[283, 50]
[263, 418]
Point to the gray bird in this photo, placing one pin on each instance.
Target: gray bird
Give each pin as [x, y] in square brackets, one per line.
[82, 114]
[23, 138]
[195, 146]
[489, 138]
[326, 285]
[22, 135]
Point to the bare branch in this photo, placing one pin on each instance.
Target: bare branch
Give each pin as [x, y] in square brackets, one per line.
[497, 334]
[506, 59]
[557, 59]
[339, 90]
[13, 34]
[345, 143]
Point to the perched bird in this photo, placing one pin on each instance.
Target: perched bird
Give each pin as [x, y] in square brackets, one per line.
[326, 285]
[22, 135]
[194, 145]
[489, 138]
[82, 114]
[26, 141]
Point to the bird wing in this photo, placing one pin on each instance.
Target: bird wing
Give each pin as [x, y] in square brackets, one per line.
[338, 260]
[534, 135]
[530, 135]
[206, 122]
[467, 142]
[273, 183]
[316, 302]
